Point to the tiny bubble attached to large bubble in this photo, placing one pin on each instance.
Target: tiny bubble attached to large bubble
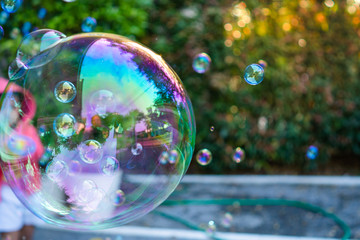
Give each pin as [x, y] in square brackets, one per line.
[254, 74]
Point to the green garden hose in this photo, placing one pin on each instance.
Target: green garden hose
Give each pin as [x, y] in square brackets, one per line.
[250, 202]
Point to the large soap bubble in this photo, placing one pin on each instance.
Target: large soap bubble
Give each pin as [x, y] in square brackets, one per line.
[93, 160]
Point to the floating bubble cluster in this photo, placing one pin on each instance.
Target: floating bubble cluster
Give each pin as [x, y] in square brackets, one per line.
[98, 129]
[204, 157]
[201, 63]
[312, 152]
[88, 25]
[10, 6]
[239, 155]
[254, 74]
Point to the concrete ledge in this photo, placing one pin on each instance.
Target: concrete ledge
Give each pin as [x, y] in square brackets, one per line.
[166, 233]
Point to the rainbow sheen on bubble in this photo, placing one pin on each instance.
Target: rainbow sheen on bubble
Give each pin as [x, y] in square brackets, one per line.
[109, 155]
[65, 91]
[204, 157]
[254, 74]
[201, 63]
[10, 6]
[211, 227]
[33, 49]
[90, 151]
[109, 165]
[88, 24]
[64, 125]
[312, 152]
[239, 155]
[118, 198]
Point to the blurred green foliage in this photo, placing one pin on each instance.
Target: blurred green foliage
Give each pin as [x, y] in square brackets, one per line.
[310, 94]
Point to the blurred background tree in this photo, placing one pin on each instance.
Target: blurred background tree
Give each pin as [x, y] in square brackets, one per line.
[309, 95]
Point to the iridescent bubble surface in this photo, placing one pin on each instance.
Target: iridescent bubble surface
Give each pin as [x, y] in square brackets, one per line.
[312, 152]
[57, 170]
[164, 158]
[90, 151]
[17, 69]
[88, 25]
[149, 106]
[204, 157]
[118, 198]
[65, 91]
[10, 6]
[109, 165]
[136, 149]
[173, 156]
[64, 125]
[254, 74]
[211, 227]
[239, 155]
[201, 63]
[39, 47]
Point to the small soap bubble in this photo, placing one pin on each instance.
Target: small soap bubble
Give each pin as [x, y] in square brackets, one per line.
[42, 13]
[109, 165]
[312, 152]
[173, 156]
[32, 48]
[164, 158]
[65, 91]
[26, 28]
[90, 151]
[17, 69]
[118, 198]
[102, 102]
[254, 74]
[69, 1]
[227, 220]
[136, 149]
[3, 17]
[262, 63]
[57, 170]
[201, 63]
[64, 125]
[15, 33]
[212, 128]
[239, 155]
[204, 157]
[211, 227]
[1, 32]
[10, 6]
[88, 25]
[74, 167]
